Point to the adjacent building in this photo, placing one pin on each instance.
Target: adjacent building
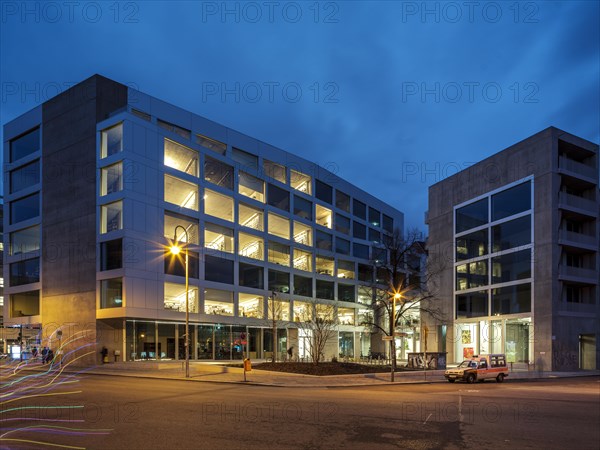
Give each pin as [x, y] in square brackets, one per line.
[102, 179]
[519, 234]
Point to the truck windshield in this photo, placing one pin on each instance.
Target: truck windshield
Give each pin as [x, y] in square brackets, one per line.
[467, 364]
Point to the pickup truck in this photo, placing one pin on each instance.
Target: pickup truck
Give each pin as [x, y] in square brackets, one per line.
[479, 368]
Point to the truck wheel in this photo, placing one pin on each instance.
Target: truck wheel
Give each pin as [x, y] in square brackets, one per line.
[471, 378]
[500, 378]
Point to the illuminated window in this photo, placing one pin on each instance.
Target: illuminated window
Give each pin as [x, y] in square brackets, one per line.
[302, 233]
[175, 298]
[302, 260]
[300, 182]
[25, 304]
[303, 311]
[111, 293]
[111, 179]
[111, 217]
[111, 141]
[181, 193]
[346, 270]
[346, 316]
[250, 217]
[218, 302]
[323, 216]
[218, 238]
[251, 187]
[173, 220]
[218, 205]
[250, 246]
[325, 265]
[180, 157]
[251, 305]
[279, 226]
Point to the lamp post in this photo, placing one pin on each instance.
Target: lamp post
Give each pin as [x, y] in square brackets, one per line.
[175, 250]
[395, 297]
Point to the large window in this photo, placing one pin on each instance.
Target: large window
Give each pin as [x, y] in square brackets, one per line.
[277, 197]
[472, 215]
[251, 276]
[324, 240]
[511, 201]
[25, 145]
[219, 238]
[472, 245]
[471, 275]
[24, 241]
[512, 299]
[374, 236]
[474, 304]
[279, 281]
[365, 273]
[511, 234]
[218, 302]
[274, 171]
[359, 230]
[250, 217]
[342, 224]
[173, 221]
[388, 224]
[184, 133]
[360, 251]
[111, 254]
[251, 305]
[511, 267]
[303, 208]
[359, 209]
[245, 159]
[25, 272]
[303, 286]
[325, 289]
[346, 293]
[181, 158]
[251, 246]
[218, 205]
[111, 179]
[302, 233]
[251, 187]
[111, 217]
[218, 173]
[302, 260]
[346, 270]
[342, 201]
[175, 296]
[25, 304]
[175, 264]
[181, 193]
[323, 192]
[342, 246]
[111, 141]
[324, 216]
[211, 144]
[301, 182]
[279, 226]
[374, 217]
[25, 208]
[279, 254]
[25, 176]
[111, 293]
[218, 269]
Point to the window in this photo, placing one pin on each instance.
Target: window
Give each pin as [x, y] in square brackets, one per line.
[279, 281]
[277, 197]
[303, 311]
[324, 265]
[472, 245]
[374, 217]
[323, 192]
[251, 187]
[180, 157]
[365, 273]
[274, 171]
[511, 234]
[323, 216]
[302, 233]
[278, 309]
[360, 251]
[25, 208]
[111, 179]
[250, 217]
[346, 317]
[279, 226]
[474, 304]
[111, 217]
[181, 193]
[218, 205]
[511, 267]
[111, 255]
[279, 254]
[175, 296]
[512, 299]
[374, 236]
[359, 209]
[141, 114]
[342, 246]
[511, 201]
[359, 231]
[25, 176]
[380, 254]
[218, 173]
[24, 241]
[173, 221]
[346, 293]
[573, 294]
[325, 289]
[388, 224]
[251, 305]
[365, 295]
[184, 133]
[303, 208]
[245, 159]
[25, 304]
[218, 238]
[218, 302]
[25, 272]
[211, 144]
[472, 215]
[301, 182]
[342, 224]
[324, 240]
[471, 275]
[346, 269]
[302, 260]
[303, 286]
[250, 246]
[111, 141]
[25, 145]
[342, 201]
[111, 293]
[251, 276]
[218, 269]
[175, 264]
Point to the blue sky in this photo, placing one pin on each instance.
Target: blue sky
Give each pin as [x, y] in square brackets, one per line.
[392, 96]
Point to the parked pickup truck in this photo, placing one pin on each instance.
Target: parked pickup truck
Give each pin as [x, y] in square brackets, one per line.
[479, 368]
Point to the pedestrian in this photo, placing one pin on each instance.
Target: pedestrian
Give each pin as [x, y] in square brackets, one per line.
[104, 353]
[290, 352]
[44, 355]
[34, 352]
[49, 356]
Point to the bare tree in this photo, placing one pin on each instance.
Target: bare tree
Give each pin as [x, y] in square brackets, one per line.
[405, 285]
[274, 316]
[319, 324]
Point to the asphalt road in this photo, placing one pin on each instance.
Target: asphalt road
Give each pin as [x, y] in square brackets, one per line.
[132, 413]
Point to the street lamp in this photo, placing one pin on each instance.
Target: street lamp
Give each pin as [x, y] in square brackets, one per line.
[175, 250]
[396, 296]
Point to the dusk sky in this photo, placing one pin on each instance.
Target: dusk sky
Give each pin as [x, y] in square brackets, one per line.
[393, 97]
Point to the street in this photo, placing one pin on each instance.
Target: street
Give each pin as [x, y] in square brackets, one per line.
[132, 413]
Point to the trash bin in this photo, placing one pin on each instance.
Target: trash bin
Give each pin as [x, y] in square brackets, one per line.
[117, 354]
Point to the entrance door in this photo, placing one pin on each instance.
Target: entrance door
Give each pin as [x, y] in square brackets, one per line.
[587, 352]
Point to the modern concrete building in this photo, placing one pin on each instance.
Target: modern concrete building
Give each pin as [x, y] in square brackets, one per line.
[519, 231]
[98, 180]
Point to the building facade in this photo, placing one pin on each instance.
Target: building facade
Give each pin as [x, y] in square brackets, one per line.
[519, 232]
[102, 179]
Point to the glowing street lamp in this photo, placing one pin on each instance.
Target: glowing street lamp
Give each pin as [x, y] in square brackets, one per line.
[175, 249]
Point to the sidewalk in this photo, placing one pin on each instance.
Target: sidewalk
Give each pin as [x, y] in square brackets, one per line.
[217, 373]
